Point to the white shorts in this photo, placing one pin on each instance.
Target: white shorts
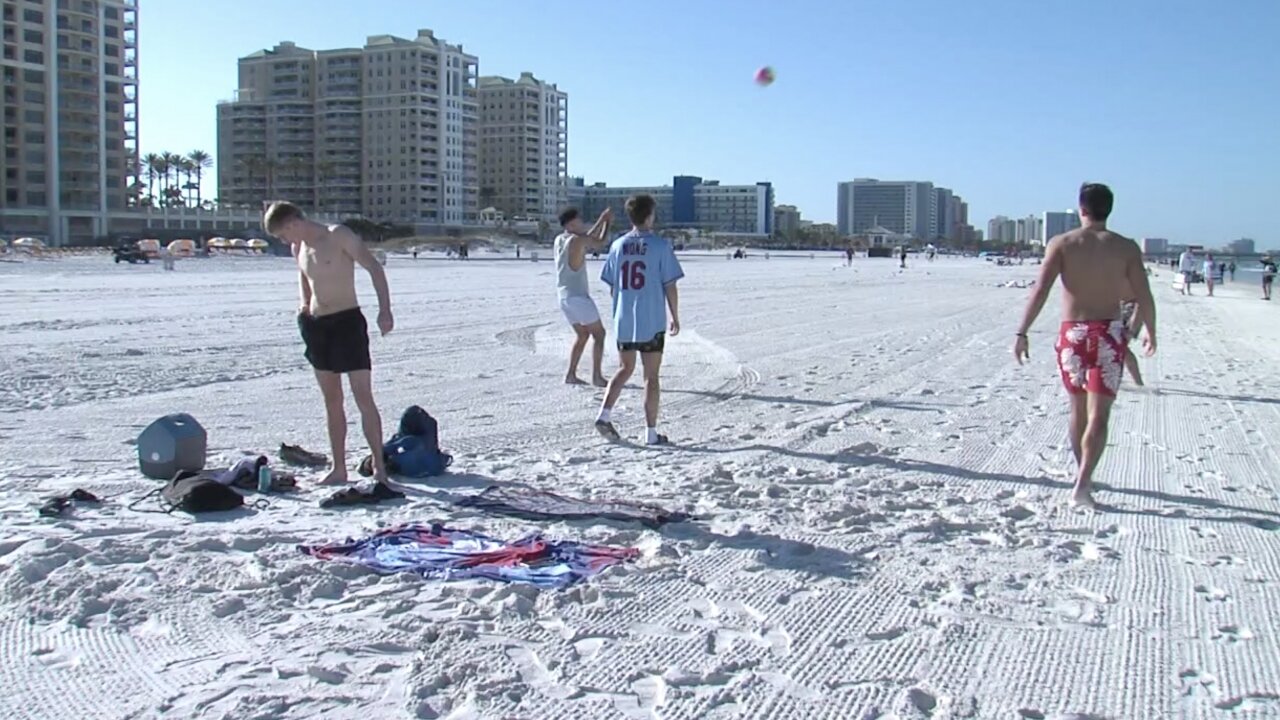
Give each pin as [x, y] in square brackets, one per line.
[579, 310]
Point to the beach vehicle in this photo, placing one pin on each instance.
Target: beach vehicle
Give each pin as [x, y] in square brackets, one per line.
[129, 252]
[182, 248]
[150, 246]
[258, 245]
[218, 243]
[238, 244]
[28, 245]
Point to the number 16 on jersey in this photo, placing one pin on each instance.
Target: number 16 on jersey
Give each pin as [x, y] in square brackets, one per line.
[633, 275]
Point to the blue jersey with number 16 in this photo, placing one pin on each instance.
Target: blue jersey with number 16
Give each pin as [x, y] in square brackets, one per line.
[640, 267]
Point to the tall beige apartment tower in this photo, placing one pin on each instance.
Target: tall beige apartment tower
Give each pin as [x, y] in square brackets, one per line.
[524, 161]
[388, 131]
[69, 75]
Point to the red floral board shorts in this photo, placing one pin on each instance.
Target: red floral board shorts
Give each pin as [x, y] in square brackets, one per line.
[1091, 356]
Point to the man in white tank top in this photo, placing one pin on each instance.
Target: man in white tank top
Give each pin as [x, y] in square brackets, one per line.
[575, 294]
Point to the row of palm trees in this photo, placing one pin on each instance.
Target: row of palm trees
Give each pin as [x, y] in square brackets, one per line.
[178, 179]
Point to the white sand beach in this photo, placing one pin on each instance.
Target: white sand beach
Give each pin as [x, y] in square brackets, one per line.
[880, 495]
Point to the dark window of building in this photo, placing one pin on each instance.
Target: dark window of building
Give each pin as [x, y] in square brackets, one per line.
[33, 16]
[113, 69]
[11, 195]
[35, 77]
[33, 137]
[35, 199]
[111, 31]
[33, 36]
[111, 13]
[34, 57]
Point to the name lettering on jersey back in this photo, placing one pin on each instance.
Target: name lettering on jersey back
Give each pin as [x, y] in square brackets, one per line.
[634, 248]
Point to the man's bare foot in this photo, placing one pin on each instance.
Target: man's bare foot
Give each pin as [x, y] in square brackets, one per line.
[380, 474]
[600, 381]
[1082, 500]
[336, 476]
[573, 380]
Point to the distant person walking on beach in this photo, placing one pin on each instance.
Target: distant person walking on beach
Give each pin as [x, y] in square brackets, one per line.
[642, 272]
[1268, 276]
[1208, 272]
[333, 327]
[1187, 266]
[902, 257]
[575, 293]
[1132, 324]
[1098, 269]
[848, 257]
[1232, 269]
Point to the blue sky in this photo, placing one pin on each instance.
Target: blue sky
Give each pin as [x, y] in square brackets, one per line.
[1011, 103]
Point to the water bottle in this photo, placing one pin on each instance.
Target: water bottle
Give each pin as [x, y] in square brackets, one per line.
[264, 478]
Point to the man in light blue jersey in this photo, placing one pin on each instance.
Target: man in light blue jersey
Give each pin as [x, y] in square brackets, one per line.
[641, 271]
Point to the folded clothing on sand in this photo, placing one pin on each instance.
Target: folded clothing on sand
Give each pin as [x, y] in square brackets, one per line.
[531, 504]
[439, 552]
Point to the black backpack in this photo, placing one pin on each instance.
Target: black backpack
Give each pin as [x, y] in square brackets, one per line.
[195, 493]
[418, 422]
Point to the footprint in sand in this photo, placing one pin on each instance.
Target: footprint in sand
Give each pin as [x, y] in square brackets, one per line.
[1204, 533]
[1250, 701]
[1233, 634]
[1195, 683]
[1212, 594]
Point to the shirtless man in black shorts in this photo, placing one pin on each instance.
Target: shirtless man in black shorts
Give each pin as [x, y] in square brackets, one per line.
[333, 328]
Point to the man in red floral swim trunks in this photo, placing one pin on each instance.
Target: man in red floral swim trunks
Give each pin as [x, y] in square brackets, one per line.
[1099, 270]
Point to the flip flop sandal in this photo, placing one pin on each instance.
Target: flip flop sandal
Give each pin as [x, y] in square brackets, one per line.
[296, 455]
[356, 496]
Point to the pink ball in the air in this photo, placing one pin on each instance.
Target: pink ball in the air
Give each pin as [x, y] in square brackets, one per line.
[764, 76]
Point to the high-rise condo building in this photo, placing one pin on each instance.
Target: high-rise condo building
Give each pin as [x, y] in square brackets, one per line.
[69, 73]
[903, 207]
[389, 130]
[524, 162]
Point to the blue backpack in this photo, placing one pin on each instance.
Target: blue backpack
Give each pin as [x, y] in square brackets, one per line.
[414, 451]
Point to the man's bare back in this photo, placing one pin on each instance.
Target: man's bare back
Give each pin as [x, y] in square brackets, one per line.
[1097, 267]
[330, 270]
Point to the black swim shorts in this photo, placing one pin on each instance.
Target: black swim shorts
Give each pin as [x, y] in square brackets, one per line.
[337, 343]
[654, 345]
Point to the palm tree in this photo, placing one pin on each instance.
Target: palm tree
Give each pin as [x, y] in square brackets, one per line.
[201, 160]
[187, 170]
[258, 164]
[250, 167]
[269, 169]
[161, 167]
[323, 171]
[175, 185]
[153, 163]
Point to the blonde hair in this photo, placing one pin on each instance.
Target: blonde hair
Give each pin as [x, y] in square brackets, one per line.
[278, 214]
